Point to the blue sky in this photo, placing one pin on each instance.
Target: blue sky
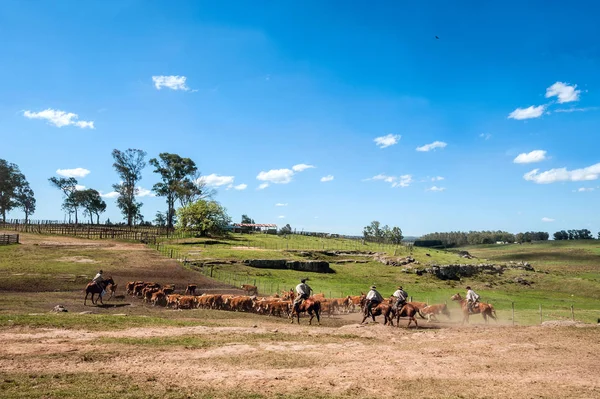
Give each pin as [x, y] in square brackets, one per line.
[504, 107]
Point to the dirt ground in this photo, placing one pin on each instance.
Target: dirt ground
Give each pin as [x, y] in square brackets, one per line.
[350, 361]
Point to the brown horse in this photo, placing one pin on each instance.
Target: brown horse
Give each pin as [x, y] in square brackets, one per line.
[382, 309]
[485, 309]
[407, 310]
[92, 288]
[309, 306]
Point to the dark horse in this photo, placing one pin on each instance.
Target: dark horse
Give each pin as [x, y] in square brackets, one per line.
[92, 288]
[409, 311]
[309, 306]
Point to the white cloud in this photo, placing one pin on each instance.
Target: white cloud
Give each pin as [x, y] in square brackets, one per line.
[432, 146]
[437, 178]
[545, 219]
[173, 82]
[112, 194]
[485, 136]
[402, 181]
[77, 172]
[240, 187]
[280, 204]
[263, 186]
[533, 156]
[527, 113]
[301, 167]
[277, 176]
[562, 174]
[59, 118]
[327, 178]
[144, 192]
[79, 187]
[577, 109]
[281, 217]
[584, 189]
[405, 181]
[564, 92]
[215, 180]
[435, 188]
[386, 141]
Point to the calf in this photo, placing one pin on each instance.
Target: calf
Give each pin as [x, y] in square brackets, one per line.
[250, 289]
[187, 302]
[158, 298]
[432, 310]
[173, 300]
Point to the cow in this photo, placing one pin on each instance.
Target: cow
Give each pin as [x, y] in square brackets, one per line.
[351, 302]
[191, 289]
[168, 289]
[250, 289]
[173, 300]
[432, 310]
[418, 306]
[186, 302]
[158, 298]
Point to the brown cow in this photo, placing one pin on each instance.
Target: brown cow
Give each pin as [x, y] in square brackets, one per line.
[173, 300]
[191, 289]
[432, 310]
[186, 302]
[158, 298]
[250, 289]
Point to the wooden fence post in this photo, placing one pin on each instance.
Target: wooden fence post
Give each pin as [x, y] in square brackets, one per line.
[541, 317]
[572, 313]
[513, 313]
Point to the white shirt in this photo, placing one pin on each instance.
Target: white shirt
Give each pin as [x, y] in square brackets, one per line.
[303, 289]
[98, 278]
[472, 296]
[400, 293]
[373, 294]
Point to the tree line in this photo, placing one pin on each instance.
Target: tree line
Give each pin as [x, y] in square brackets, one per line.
[460, 238]
[583, 234]
[382, 234]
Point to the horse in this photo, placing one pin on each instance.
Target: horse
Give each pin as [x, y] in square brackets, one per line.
[485, 309]
[407, 310]
[382, 309]
[309, 306]
[92, 288]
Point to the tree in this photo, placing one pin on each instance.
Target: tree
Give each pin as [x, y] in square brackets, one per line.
[160, 219]
[396, 235]
[92, 203]
[26, 200]
[287, 229]
[69, 187]
[129, 165]
[11, 181]
[205, 217]
[176, 174]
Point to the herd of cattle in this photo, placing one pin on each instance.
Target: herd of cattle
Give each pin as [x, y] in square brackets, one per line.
[274, 305]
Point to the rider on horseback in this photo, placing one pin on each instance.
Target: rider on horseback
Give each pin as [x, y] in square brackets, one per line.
[98, 279]
[303, 291]
[401, 297]
[472, 299]
[373, 299]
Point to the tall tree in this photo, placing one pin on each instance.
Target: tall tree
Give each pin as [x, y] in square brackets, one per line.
[92, 203]
[160, 219]
[69, 188]
[205, 217]
[26, 200]
[11, 180]
[129, 165]
[396, 235]
[176, 174]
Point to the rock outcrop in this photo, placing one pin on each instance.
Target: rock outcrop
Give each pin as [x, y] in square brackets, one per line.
[316, 266]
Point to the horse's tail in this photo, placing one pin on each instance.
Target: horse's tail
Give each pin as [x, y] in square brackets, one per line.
[493, 312]
[419, 313]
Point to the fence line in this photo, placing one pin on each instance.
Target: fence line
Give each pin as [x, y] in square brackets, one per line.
[8, 239]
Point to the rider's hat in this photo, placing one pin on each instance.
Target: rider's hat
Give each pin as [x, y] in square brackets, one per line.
[373, 287]
[468, 287]
[303, 280]
[101, 272]
[399, 287]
